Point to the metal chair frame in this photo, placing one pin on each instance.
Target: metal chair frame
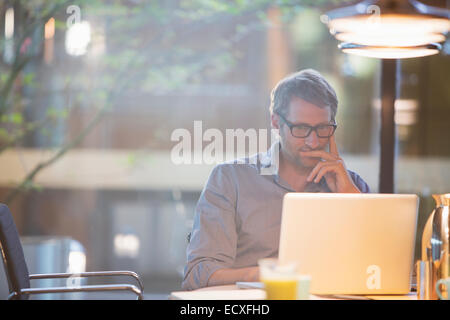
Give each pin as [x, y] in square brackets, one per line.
[138, 290]
[14, 295]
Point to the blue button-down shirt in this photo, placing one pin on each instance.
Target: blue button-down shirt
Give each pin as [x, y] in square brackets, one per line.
[238, 216]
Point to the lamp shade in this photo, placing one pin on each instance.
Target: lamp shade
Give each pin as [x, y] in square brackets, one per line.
[389, 28]
[390, 52]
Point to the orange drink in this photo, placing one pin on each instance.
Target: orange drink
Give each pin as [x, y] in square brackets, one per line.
[280, 289]
[281, 282]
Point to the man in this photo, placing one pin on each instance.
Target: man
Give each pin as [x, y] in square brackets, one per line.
[238, 215]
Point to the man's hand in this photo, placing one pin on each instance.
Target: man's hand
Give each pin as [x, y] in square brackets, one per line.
[331, 167]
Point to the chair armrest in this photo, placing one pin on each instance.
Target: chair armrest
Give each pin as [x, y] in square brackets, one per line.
[112, 287]
[89, 274]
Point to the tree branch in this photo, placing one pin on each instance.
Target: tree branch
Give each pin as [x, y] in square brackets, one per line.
[30, 176]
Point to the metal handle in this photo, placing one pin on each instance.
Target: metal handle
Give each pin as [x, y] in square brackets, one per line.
[121, 287]
[89, 274]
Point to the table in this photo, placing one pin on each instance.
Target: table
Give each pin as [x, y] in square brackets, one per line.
[232, 292]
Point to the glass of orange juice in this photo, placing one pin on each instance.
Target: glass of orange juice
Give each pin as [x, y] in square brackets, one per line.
[281, 282]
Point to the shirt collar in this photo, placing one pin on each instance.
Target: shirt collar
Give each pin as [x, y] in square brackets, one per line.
[269, 160]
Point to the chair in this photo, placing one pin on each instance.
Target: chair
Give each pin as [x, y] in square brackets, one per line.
[19, 278]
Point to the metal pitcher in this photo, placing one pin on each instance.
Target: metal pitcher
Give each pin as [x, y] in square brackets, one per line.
[435, 248]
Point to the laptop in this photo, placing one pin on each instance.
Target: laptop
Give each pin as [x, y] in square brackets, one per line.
[350, 243]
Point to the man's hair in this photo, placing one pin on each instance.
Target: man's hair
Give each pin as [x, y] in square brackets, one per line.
[308, 85]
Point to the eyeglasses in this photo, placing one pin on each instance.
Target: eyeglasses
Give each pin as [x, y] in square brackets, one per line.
[304, 130]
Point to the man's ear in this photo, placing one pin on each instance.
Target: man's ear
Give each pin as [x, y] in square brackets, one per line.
[275, 120]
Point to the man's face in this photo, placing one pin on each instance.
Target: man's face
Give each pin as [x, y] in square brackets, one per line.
[302, 112]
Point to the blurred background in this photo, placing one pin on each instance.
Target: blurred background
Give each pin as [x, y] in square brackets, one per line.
[91, 91]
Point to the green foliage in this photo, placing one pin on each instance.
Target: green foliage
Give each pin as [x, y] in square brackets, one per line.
[4, 135]
[15, 118]
[28, 79]
[56, 113]
[31, 185]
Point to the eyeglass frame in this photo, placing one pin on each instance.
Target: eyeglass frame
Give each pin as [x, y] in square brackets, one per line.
[311, 128]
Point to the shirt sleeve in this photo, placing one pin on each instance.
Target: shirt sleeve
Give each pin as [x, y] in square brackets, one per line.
[359, 182]
[214, 237]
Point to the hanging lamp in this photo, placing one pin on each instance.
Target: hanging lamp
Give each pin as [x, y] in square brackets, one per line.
[389, 29]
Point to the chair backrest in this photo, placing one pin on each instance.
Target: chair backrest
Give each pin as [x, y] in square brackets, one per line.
[12, 254]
